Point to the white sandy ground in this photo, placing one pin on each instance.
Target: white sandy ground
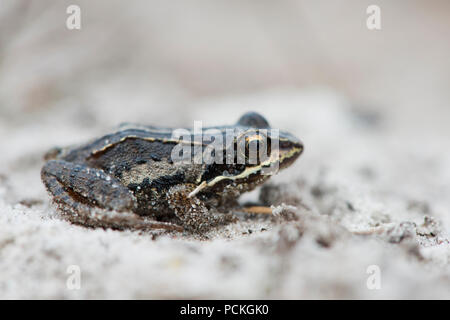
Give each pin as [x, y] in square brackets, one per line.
[368, 190]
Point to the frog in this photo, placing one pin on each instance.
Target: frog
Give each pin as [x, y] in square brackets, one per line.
[128, 179]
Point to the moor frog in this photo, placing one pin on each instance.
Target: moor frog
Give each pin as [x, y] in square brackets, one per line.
[128, 179]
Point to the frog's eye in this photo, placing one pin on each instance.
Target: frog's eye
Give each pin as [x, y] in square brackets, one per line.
[254, 148]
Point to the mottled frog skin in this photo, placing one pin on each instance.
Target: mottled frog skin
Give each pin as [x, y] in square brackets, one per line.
[128, 179]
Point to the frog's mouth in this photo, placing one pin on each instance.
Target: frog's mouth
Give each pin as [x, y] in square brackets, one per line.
[281, 159]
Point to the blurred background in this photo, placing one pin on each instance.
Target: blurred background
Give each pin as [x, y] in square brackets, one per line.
[162, 56]
[371, 106]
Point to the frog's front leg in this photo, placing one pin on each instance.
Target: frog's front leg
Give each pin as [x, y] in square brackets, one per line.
[192, 212]
[90, 197]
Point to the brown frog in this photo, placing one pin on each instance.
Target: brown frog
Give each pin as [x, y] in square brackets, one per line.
[129, 179]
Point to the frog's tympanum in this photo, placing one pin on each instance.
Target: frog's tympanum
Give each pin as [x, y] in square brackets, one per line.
[129, 179]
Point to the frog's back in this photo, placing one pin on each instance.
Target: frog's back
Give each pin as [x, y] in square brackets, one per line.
[95, 147]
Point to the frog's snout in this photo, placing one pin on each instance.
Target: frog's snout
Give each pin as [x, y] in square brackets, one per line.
[289, 150]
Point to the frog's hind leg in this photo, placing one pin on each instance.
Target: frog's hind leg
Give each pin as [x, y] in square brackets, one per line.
[90, 197]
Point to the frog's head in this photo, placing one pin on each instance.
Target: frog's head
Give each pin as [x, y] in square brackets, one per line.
[258, 131]
[272, 149]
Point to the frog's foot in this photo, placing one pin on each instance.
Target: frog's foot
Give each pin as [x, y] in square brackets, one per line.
[193, 213]
[90, 197]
